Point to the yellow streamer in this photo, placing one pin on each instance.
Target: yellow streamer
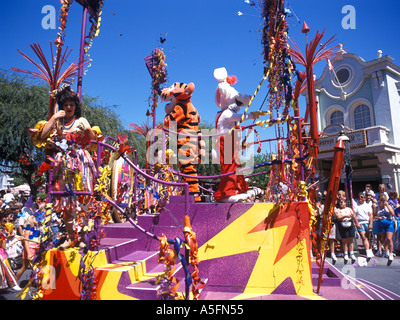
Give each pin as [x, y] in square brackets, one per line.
[251, 100]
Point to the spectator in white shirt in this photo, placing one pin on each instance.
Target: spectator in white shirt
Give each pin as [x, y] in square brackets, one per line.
[8, 197]
[364, 222]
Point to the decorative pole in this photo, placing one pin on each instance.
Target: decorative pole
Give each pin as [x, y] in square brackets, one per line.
[156, 66]
[308, 61]
[299, 88]
[305, 30]
[82, 51]
[92, 8]
[330, 200]
[311, 95]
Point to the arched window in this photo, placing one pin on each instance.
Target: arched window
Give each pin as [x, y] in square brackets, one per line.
[362, 117]
[337, 117]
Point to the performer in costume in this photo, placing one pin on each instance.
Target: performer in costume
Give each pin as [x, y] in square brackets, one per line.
[74, 169]
[232, 188]
[181, 112]
[67, 123]
[68, 119]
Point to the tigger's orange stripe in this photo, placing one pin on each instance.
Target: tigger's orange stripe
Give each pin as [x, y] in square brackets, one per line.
[187, 120]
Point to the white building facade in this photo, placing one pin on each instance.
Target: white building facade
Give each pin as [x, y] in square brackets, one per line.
[5, 182]
[363, 99]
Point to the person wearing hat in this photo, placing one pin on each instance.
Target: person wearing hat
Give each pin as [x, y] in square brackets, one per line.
[368, 190]
[64, 128]
[68, 119]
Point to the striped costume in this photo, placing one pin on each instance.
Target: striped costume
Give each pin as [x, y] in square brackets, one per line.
[182, 114]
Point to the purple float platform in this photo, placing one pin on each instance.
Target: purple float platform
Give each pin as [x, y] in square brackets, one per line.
[228, 276]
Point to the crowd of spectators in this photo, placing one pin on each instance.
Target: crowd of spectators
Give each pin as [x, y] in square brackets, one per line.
[373, 217]
[21, 221]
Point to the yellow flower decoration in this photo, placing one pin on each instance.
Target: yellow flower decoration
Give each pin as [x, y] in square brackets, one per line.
[78, 181]
[303, 189]
[89, 226]
[103, 181]
[36, 133]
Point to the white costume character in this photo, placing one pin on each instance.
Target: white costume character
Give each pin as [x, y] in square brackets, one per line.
[232, 188]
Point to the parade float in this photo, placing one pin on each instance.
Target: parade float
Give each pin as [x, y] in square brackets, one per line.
[174, 244]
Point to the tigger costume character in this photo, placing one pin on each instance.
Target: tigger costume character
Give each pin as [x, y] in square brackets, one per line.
[181, 112]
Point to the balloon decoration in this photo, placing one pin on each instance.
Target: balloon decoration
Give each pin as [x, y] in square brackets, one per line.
[168, 282]
[66, 5]
[45, 243]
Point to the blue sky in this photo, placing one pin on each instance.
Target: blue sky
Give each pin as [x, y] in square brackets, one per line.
[201, 35]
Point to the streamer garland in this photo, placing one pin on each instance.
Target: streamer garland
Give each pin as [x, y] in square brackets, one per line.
[66, 5]
[191, 242]
[157, 68]
[95, 21]
[169, 257]
[169, 283]
[277, 59]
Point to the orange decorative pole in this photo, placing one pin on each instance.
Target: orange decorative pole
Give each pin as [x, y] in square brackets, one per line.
[308, 61]
[330, 201]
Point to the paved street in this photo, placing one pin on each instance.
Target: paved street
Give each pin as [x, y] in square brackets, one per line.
[11, 294]
[377, 271]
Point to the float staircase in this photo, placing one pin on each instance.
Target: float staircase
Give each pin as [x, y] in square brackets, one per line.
[125, 247]
[126, 264]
